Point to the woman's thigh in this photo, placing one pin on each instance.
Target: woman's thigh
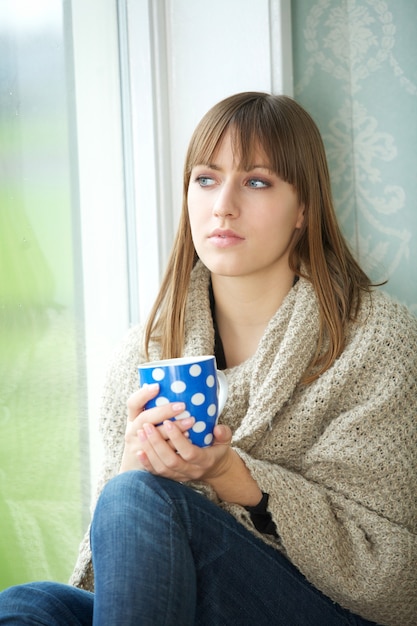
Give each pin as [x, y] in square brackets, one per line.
[239, 578]
[46, 603]
[242, 580]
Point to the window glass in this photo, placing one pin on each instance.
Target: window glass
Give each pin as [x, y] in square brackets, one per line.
[44, 465]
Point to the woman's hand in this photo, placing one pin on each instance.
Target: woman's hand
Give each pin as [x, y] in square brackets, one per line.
[156, 443]
[166, 450]
[138, 416]
[177, 458]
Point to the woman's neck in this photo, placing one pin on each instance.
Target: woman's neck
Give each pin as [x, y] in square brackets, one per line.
[243, 309]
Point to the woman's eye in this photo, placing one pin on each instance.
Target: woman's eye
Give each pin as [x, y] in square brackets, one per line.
[205, 181]
[257, 183]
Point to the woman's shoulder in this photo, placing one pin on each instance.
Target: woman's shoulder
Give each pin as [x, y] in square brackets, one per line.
[383, 310]
[132, 341]
[132, 346]
[127, 353]
[384, 326]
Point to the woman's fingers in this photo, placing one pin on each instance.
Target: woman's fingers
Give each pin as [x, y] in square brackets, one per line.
[183, 425]
[157, 455]
[177, 458]
[138, 415]
[156, 439]
[222, 434]
[136, 402]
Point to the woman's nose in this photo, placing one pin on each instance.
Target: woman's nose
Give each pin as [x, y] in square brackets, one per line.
[226, 202]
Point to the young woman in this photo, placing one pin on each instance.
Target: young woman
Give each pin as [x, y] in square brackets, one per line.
[304, 510]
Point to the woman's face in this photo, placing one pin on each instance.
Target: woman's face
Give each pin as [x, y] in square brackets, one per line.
[242, 222]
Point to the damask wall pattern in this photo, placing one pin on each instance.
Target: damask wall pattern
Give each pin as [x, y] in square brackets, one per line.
[355, 71]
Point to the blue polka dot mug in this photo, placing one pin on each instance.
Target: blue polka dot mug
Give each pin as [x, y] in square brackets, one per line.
[195, 381]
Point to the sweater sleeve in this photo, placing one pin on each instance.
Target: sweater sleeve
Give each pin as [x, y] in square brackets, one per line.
[347, 518]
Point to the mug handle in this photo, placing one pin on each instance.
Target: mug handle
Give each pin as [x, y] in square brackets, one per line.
[223, 389]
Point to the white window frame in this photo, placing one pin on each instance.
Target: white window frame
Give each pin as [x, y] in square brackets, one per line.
[101, 196]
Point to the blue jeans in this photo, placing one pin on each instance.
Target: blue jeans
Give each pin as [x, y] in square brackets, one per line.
[164, 555]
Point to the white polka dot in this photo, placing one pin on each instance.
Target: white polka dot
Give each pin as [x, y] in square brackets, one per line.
[210, 381]
[199, 427]
[208, 439]
[195, 370]
[183, 415]
[212, 410]
[178, 386]
[197, 399]
[161, 401]
[158, 373]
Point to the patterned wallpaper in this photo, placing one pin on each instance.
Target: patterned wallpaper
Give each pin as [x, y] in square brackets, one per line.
[355, 71]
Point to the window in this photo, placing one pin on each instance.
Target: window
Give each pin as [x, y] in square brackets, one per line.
[43, 441]
[97, 103]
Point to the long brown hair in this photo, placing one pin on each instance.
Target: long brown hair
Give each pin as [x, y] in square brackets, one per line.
[292, 143]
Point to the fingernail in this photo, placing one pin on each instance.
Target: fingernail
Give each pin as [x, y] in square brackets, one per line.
[141, 435]
[148, 428]
[178, 406]
[150, 386]
[187, 422]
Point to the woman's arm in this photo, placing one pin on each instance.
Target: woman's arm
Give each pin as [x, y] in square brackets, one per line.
[232, 480]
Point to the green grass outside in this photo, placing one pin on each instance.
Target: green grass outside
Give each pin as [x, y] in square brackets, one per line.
[42, 394]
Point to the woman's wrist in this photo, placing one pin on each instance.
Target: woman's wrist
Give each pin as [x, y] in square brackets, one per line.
[235, 483]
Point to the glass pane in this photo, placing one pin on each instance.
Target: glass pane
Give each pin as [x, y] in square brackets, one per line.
[42, 389]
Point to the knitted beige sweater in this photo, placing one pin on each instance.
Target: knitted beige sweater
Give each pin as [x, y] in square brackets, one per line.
[338, 457]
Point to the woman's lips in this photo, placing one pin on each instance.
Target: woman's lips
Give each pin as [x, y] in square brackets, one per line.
[225, 238]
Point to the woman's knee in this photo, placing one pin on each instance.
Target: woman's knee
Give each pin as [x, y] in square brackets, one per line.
[45, 603]
[135, 486]
[126, 500]
[20, 601]
[127, 489]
